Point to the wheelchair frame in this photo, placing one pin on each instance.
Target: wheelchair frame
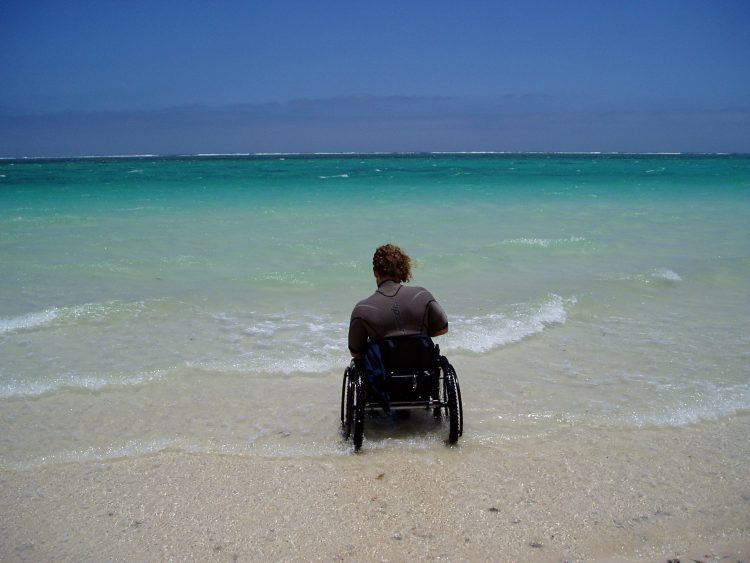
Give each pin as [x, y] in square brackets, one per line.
[443, 395]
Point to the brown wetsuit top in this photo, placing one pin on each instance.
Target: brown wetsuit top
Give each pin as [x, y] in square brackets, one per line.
[394, 310]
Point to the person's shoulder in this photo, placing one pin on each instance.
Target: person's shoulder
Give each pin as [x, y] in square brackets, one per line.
[417, 289]
[366, 301]
[417, 293]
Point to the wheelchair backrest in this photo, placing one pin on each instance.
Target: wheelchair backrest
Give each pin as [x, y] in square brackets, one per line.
[407, 355]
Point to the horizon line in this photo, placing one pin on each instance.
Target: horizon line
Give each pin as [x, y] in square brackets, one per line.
[371, 153]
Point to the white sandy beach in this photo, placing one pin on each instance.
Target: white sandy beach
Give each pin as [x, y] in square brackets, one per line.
[647, 495]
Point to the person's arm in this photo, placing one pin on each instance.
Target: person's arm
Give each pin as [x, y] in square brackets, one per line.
[440, 332]
[437, 320]
[357, 336]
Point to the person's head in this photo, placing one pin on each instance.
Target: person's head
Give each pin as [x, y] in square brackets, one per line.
[390, 262]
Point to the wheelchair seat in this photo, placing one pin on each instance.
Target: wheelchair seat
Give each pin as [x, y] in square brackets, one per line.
[401, 370]
[404, 372]
[406, 355]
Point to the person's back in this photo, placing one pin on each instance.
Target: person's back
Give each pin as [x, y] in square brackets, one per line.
[394, 309]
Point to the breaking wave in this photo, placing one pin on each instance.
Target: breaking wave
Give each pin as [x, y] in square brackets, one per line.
[10, 387]
[29, 321]
[487, 332]
[56, 315]
[245, 343]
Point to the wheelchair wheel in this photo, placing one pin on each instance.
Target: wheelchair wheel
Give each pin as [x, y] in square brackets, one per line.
[346, 404]
[460, 405]
[358, 410]
[455, 408]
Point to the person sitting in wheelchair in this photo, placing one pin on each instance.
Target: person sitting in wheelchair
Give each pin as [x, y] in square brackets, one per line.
[394, 309]
[390, 340]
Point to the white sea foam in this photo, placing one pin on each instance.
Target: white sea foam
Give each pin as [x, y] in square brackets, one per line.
[315, 344]
[278, 343]
[707, 404]
[665, 274]
[54, 315]
[542, 242]
[30, 320]
[281, 358]
[292, 278]
[211, 154]
[334, 176]
[11, 387]
[484, 333]
[103, 453]
[250, 447]
[657, 275]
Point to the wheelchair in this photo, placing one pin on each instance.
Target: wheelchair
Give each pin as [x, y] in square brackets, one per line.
[417, 376]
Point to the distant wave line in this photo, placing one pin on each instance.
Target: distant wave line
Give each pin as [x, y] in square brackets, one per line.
[263, 154]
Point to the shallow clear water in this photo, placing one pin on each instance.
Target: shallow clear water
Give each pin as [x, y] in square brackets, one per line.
[202, 303]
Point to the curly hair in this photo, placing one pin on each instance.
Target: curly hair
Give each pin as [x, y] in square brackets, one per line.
[389, 260]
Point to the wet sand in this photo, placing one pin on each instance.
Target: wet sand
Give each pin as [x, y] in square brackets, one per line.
[636, 495]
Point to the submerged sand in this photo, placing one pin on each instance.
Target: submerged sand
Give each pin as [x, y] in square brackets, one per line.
[676, 493]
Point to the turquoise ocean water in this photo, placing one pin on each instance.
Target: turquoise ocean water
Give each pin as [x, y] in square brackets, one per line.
[202, 303]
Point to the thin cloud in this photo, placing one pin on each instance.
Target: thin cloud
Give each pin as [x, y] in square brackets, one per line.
[368, 123]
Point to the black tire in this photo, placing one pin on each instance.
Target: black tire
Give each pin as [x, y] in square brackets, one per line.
[460, 406]
[358, 410]
[346, 404]
[453, 394]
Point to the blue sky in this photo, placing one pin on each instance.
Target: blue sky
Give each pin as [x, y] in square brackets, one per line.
[168, 77]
